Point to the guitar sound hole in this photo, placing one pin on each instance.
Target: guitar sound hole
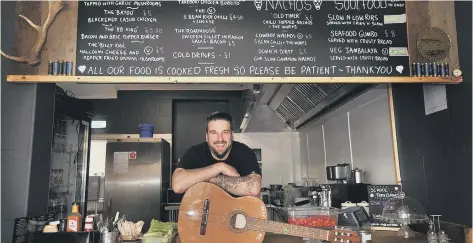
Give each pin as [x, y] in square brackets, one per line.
[238, 221]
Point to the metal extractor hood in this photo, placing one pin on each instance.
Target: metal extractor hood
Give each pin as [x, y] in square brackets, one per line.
[296, 105]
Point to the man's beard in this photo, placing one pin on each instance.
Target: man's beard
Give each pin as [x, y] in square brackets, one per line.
[223, 154]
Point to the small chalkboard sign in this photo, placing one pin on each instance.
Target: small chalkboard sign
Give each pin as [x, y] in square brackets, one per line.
[20, 230]
[378, 195]
[23, 232]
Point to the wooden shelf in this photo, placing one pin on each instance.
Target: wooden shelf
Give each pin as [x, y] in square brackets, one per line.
[207, 80]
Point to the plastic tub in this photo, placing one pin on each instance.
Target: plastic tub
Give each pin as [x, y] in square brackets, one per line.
[146, 130]
[156, 240]
[161, 239]
[317, 217]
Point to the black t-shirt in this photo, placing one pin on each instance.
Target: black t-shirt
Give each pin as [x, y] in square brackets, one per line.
[241, 157]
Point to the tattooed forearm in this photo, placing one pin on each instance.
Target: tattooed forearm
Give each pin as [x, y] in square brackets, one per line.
[246, 185]
[183, 179]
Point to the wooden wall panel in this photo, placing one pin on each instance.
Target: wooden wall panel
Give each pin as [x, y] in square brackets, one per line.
[62, 36]
[25, 35]
[61, 39]
[428, 14]
[417, 20]
[442, 15]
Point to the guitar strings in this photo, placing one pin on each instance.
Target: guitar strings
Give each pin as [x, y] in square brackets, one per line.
[224, 217]
[219, 219]
[314, 235]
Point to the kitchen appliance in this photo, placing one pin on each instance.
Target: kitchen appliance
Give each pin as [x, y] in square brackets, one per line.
[276, 195]
[275, 187]
[321, 196]
[69, 167]
[326, 197]
[358, 176]
[137, 176]
[340, 193]
[339, 173]
[353, 216]
[307, 183]
[314, 196]
[291, 192]
[94, 195]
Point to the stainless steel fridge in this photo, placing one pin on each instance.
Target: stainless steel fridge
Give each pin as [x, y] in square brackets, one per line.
[137, 176]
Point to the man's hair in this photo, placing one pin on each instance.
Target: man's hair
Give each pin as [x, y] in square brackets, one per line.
[219, 115]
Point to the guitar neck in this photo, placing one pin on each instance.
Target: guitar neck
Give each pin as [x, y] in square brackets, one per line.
[287, 229]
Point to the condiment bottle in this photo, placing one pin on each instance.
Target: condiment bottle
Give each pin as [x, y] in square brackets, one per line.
[74, 220]
[89, 224]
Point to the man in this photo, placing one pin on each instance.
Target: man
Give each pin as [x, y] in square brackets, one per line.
[226, 163]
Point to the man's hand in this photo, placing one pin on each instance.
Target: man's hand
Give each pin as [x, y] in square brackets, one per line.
[241, 186]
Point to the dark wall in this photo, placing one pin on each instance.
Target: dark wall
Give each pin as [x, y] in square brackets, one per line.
[435, 151]
[26, 118]
[17, 114]
[189, 120]
[131, 108]
[43, 119]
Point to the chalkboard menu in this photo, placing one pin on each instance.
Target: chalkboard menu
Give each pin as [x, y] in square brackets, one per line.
[24, 228]
[20, 230]
[377, 196]
[263, 38]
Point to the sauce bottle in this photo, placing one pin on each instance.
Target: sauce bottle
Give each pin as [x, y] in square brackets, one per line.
[74, 220]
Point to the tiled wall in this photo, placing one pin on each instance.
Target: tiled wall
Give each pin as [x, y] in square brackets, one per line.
[358, 133]
[279, 153]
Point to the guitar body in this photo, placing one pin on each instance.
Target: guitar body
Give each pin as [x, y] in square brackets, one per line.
[221, 217]
[209, 214]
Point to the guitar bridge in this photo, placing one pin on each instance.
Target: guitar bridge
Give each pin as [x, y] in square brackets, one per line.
[205, 216]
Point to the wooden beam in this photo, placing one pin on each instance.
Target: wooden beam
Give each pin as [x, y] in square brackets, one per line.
[201, 80]
[392, 121]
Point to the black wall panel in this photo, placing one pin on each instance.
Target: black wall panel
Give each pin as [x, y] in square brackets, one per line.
[435, 151]
[41, 152]
[131, 108]
[189, 119]
[26, 125]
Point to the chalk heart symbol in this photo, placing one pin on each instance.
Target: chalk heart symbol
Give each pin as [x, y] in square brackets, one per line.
[400, 68]
[82, 68]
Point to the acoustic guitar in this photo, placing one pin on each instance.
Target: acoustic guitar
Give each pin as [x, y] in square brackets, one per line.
[209, 214]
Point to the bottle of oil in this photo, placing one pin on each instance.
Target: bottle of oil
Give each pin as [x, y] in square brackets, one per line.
[74, 220]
